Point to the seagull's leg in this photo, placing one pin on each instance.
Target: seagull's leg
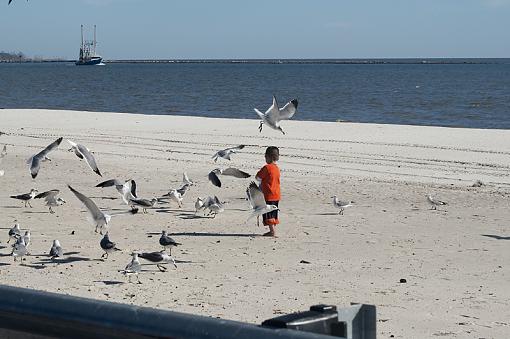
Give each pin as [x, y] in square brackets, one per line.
[129, 278]
[138, 278]
[173, 262]
[162, 268]
[260, 126]
[29, 204]
[51, 210]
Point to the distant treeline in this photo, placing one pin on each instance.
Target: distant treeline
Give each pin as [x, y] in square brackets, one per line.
[12, 57]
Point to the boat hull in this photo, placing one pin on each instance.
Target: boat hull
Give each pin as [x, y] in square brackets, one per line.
[92, 61]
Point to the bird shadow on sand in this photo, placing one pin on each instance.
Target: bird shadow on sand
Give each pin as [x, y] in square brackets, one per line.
[187, 216]
[36, 212]
[4, 264]
[211, 234]
[110, 282]
[13, 207]
[328, 213]
[169, 210]
[67, 260]
[498, 237]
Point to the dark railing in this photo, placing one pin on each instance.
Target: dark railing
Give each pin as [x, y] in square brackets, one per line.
[26, 313]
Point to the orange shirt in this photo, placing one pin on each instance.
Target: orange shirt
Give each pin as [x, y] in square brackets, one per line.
[270, 185]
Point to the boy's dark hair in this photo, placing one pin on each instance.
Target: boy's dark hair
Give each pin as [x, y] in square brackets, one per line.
[273, 153]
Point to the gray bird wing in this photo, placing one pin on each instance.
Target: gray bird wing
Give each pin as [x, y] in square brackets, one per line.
[92, 208]
[214, 179]
[152, 256]
[109, 183]
[48, 195]
[255, 196]
[35, 160]
[84, 151]
[183, 189]
[288, 110]
[234, 172]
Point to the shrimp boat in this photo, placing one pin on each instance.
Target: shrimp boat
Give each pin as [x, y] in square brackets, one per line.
[88, 54]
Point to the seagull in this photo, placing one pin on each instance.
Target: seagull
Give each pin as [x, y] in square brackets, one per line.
[56, 250]
[126, 189]
[20, 249]
[257, 202]
[341, 204]
[14, 232]
[2, 155]
[96, 217]
[199, 204]
[26, 197]
[83, 152]
[166, 241]
[225, 153]
[233, 172]
[186, 180]
[177, 195]
[159, 258]
[34, 161]
[51, 199]
[274, 115]
[435, 202]
[26, 238]
[133, 268]
[214, 205]
[144, 203]
[107, 246]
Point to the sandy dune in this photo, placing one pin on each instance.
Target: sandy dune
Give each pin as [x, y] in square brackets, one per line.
[455, 260]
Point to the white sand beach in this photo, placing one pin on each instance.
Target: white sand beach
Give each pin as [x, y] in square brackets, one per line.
[455, 260]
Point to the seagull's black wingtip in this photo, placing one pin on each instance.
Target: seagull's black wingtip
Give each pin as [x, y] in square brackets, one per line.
[295, 102]
[98, 173]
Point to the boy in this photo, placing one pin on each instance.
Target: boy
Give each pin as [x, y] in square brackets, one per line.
[269, 178]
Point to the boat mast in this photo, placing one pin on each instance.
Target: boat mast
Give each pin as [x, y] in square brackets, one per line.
[94, 40]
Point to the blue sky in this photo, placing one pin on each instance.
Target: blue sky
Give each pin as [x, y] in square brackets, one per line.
[160, 29]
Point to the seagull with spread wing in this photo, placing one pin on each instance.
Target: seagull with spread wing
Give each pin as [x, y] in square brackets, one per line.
[232, 172]
[126, 189]
[83, 152]
[257, 202]
[225, 153]
[274, 115]
[34, 162]
[96, 217]
[51, 199]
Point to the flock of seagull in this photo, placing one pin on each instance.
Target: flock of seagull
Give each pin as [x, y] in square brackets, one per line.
[127, 190]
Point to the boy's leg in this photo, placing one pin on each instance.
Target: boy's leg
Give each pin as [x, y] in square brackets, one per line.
[271, 220]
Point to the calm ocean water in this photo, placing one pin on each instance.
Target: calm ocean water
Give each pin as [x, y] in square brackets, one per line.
[462, 95]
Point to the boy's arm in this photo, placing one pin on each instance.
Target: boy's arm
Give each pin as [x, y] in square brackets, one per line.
[261, 175]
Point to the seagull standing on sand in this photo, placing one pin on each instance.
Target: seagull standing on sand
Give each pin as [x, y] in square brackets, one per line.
[107, 245]
[26, 197]
[144, 203]
[341, 204]
[126, 189]
[19, 249]
[133, 268]
[435, 202]
[56, 250]
[14, 233]
[199, 204]
[51, 199]
[233, 172]
[257, 202]
[2, 155]
[177, 195]
[166, 241]
[83, 152]
[225, 153]
[158, 258]
[96, 217]
[274, 115]
[34, 162]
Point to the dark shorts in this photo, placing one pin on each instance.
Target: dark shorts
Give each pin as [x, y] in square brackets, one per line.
[271, 218]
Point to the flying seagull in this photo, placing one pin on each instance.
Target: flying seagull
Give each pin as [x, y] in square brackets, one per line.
[186, 180]
[225, 153]
[214, 205]
[159, 258]
[199, 204]
[126, 189]
[177, 195]
[34, 162]
[435, 202]
[144, 203]
[56, 250]
[51, 199]
[26, 197]
[107, 245]
[274, 115]
[96, 217]
[83, 152]
[257, 201]
[166, 241]
[233, 172]
[341, 204]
